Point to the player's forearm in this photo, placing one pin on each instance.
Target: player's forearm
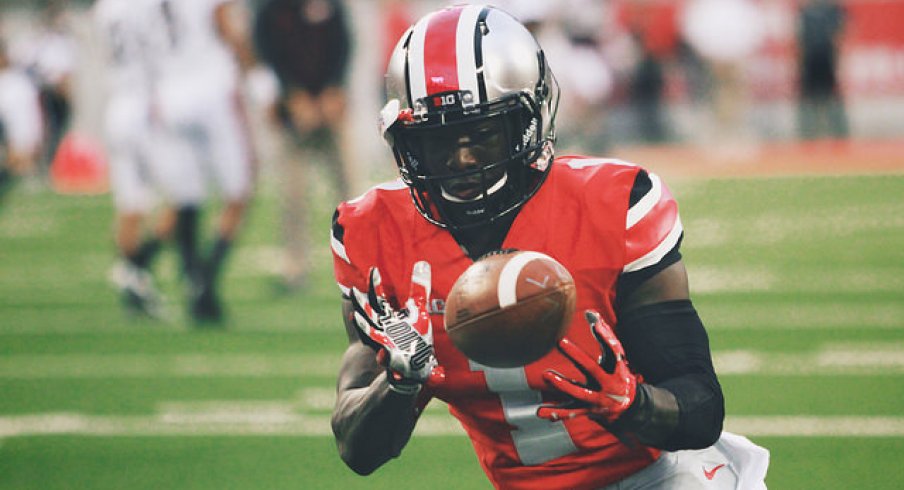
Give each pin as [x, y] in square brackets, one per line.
[682, 406]
[372, 424]
[685, 412]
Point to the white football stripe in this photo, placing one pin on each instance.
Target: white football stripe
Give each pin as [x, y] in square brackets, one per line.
[659, 252]
[639, 210]
[508, 278]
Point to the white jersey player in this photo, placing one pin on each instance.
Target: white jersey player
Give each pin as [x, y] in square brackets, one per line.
[20, 117]
[199, 52]
[128, 125]
[198, 86]
[131, 136]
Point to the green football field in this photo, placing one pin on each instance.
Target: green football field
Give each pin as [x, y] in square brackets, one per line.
[800, 281]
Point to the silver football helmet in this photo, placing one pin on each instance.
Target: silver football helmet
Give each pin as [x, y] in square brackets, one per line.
[470, 114]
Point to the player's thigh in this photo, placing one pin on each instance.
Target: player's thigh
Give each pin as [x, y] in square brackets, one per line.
[732, 463]
[132, 188]
[178, 168]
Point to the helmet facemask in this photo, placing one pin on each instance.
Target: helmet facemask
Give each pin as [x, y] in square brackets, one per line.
[471, 166]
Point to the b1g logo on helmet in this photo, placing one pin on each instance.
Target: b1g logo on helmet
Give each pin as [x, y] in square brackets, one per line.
[447, 100]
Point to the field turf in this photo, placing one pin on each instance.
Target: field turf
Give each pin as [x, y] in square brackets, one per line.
[800, 281]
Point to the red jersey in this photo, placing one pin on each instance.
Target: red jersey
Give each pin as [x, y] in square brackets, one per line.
[581, 216]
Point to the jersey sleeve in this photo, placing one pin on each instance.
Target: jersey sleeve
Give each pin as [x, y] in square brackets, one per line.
[653, 229]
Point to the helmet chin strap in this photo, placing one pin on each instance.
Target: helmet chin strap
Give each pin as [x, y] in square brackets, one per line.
[492, 190]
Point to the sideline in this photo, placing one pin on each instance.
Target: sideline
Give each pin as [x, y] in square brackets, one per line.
[770, 159]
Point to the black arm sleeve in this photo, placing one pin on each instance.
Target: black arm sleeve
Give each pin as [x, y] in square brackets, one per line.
[667, 344]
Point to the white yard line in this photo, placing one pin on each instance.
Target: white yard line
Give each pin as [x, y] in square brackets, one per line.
[830, 361]
[433, 424]
[87, 366]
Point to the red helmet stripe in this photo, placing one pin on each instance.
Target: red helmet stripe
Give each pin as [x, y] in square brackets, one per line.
[440, 62]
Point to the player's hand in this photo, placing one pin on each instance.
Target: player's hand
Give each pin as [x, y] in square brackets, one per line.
[609, 386]
[403, 338]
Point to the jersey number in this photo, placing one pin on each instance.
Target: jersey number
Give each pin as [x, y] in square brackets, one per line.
[536, 440]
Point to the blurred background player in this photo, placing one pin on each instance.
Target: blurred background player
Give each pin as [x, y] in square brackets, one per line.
[201, 51]
[306, 43]
[20, 117]
[50, 58]
[129, 134]
[726, 34]
[820, 29]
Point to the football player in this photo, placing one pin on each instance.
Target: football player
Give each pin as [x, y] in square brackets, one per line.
[200, 54]
[129, 137]
[470, 118]
[20, 116]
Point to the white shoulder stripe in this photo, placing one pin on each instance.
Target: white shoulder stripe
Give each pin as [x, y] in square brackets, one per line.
[392, 185]
[639, 210]
[346, 291]
[339, 248]
[655, 255]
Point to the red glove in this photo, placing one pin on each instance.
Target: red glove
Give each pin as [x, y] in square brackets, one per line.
[609, 387]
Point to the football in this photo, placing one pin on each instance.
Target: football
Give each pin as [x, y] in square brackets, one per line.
[510, 308]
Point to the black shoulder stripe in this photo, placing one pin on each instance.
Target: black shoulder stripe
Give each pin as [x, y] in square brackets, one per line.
[338, 229]
[641, 187]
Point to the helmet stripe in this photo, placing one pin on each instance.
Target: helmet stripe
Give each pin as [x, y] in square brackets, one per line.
[433, 66]
[464, 48]
[440, 62]
[417, 84]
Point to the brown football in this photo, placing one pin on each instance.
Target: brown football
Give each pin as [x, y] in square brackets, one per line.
[509, 309]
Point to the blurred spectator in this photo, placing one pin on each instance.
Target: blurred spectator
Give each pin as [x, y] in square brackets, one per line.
[647, 92]
[725, 33]
[201, 50]
[20, 118]
[307, 44]
[653, 27]
[51, 59]
[821, 111]
[584, 74]
[129, 136]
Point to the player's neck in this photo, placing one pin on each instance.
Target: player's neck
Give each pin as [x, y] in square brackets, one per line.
[479, 240]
